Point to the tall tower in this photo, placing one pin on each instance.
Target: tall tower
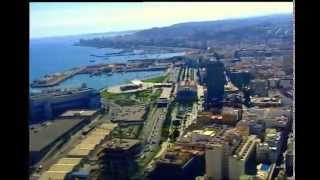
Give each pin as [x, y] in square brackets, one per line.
[215, 83]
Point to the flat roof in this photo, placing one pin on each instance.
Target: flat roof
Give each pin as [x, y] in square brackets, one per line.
[53, 175]
[93, 138]
[109, 126]
[86, 146]
[72, 161]
[81, 112]
[41, 136]
[62, 167]
[166, 92]
[131, 113]
[79, 152]
[125, 143]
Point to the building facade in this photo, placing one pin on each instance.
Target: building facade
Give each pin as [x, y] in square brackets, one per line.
[49, 104]
[215, 83]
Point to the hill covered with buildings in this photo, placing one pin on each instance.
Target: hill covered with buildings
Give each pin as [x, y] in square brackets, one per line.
[276, 29]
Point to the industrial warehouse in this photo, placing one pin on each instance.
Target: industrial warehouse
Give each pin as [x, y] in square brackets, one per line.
[43, 137]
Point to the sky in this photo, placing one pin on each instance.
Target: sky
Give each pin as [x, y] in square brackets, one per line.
[59, 19]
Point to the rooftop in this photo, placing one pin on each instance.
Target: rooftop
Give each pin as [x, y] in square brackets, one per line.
[60, 169]
[175, 157]
[59, 92]
[166, 92]
[92, 140]
[44, 134]
[80, 112]
[79, 152]
[131, 113]
[53, 175]
[69, 161]
[124, 144]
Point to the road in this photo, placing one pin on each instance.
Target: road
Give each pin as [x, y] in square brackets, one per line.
[163, 148]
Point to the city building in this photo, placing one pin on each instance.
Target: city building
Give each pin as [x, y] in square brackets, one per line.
[72, 166]
[164, 98]
[61, 169]
[233, 100]
[80, 113]
[243, 128]
[286, 83]
[266, 101]
[44, 137]
[218, 151]
[130, 87]
[269, 150]
[198, 135]
[215, 83]
[179, 163]
[273, 83]
[131, 115]
[202, 75]
[243, 159]
[273, 117]
[118, 158]
[230, 115]
[51, 103]
[187, 91]
[257, 127]
[259, 87]
[289, 157]
[92, 140]
[214, 161]
[229, 88]
[162, 85]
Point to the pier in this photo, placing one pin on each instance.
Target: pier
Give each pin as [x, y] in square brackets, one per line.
[57, 78]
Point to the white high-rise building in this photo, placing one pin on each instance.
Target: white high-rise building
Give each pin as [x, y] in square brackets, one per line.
[214, 161]
[238, 162]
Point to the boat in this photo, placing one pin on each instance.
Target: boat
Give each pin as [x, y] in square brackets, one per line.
[109, 74]
[92, 60]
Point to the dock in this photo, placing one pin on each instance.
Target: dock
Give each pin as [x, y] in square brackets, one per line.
[53, 80]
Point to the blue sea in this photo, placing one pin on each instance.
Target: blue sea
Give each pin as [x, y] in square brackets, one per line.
[52, 55]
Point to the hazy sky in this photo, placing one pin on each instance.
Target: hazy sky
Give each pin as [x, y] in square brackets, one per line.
[56, 19]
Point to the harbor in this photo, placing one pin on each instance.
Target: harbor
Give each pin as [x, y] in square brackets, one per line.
[95, 70]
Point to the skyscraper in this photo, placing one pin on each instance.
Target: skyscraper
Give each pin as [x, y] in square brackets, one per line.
[215, 83]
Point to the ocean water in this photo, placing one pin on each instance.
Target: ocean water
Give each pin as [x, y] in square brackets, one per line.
[53, 55]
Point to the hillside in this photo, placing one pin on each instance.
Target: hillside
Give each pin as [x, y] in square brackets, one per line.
[198, 34]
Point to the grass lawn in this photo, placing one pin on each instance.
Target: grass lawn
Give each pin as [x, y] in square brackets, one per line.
[129, 99]
[158, 79]
[121, 99]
